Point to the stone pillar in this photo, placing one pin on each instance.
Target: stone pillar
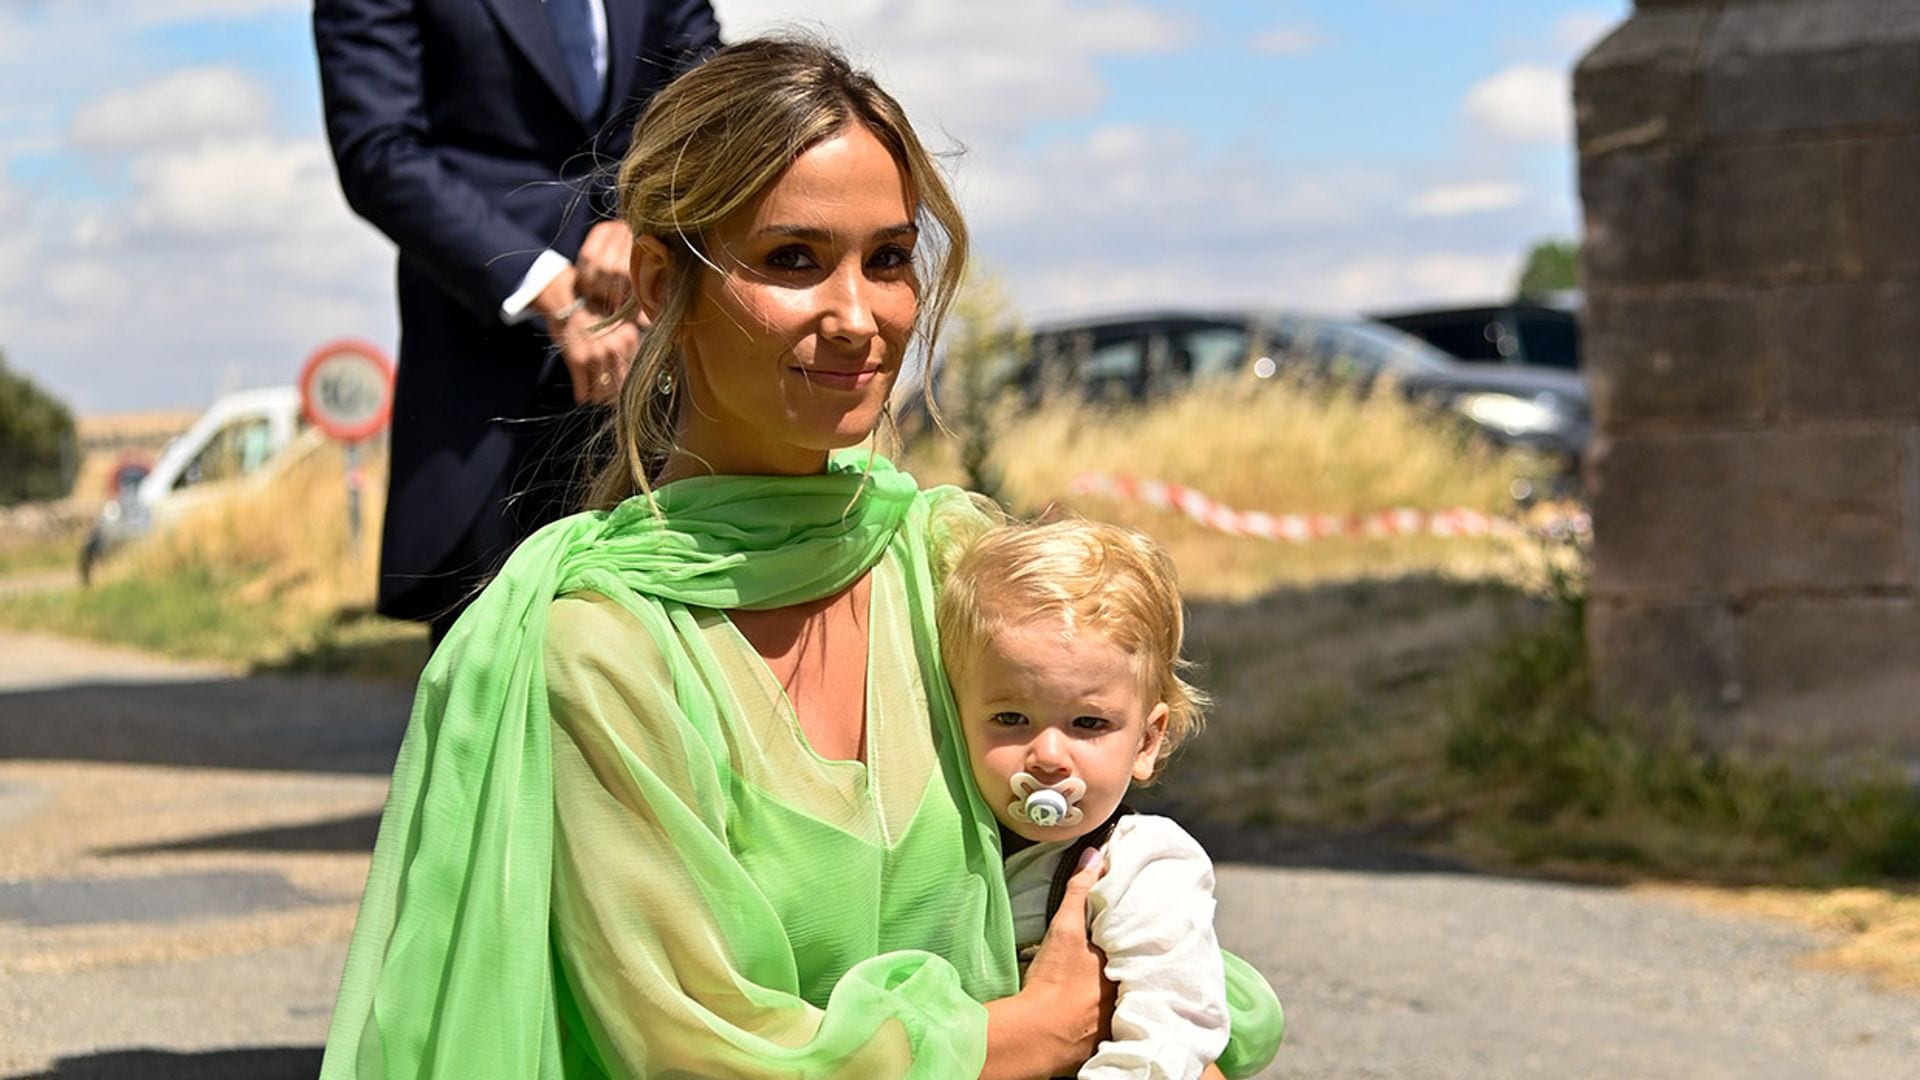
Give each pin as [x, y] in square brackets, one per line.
[1751, 176]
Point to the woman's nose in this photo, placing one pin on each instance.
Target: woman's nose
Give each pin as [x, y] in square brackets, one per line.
[847, 314]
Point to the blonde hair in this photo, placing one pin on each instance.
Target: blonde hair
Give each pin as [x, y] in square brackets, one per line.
[709, 143]
[1096, 578]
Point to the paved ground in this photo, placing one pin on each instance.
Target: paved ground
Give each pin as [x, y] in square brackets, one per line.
[181, 849]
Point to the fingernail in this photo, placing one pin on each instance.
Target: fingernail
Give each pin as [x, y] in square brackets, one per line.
[1090, 857]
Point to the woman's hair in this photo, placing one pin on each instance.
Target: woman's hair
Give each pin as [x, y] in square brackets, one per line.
[709, 143]
[1097, 579]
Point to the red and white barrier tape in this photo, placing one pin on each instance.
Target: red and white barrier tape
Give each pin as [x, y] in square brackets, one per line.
[1300, 528]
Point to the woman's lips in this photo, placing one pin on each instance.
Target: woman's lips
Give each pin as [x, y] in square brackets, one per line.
[838, 380]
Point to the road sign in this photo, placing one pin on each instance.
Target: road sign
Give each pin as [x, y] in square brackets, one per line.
[346, 389]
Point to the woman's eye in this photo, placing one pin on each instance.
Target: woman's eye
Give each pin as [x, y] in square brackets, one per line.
[891, 257]
[1006, 719]
[791, 258]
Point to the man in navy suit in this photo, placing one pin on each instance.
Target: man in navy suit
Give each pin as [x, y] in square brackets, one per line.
[480, 136]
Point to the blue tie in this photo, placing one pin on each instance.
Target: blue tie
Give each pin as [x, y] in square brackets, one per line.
[573, 28]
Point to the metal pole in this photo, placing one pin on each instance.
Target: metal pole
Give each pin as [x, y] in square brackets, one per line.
[353, 498]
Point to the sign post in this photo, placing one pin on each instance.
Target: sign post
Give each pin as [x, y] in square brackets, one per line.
[346, 390]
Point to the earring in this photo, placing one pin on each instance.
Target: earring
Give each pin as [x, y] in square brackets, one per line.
[664, 384]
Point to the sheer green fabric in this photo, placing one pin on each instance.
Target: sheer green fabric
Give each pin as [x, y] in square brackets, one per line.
[714, 900]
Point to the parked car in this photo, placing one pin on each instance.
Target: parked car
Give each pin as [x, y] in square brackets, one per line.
[241, 438]
[1521, 333]
[1136, 357]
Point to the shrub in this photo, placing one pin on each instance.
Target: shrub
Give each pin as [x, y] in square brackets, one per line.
[1556, 780]
[37, 449]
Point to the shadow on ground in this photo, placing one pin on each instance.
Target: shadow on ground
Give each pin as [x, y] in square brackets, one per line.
[362, 645]
[266, 1063]
[282, 722]
[345, 835]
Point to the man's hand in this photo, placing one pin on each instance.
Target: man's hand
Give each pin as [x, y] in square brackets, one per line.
[597, 357]
[602, 265]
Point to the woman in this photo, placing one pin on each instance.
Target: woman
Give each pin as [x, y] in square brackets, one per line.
[670, 803]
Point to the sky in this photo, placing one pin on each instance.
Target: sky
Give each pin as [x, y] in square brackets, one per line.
[171, 227]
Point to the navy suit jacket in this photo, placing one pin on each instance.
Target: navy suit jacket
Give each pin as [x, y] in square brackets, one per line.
[456, 132]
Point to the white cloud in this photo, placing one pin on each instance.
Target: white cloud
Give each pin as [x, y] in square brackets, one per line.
[1578, 31]
[227, 261]
[1437, 277]
[1525, 103]
[251, 187]
[182, 107]
[1289, 41]
[1457, 200]
[958, 67]
[1132, 216]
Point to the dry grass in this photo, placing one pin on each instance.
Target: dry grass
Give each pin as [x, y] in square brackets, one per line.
[105, 439]
[1263, 446]
[1878, 930]
[282, 543]
[264, 573]
[143, 428]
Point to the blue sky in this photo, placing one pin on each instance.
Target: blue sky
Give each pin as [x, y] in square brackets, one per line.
[170, 228]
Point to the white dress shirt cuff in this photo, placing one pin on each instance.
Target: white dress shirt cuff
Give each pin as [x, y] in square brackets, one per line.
[546, 266]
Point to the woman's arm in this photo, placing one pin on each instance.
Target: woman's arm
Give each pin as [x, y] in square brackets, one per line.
[1058, 1018]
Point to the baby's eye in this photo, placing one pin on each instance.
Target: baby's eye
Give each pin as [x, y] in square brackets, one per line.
[792, 257]
[1092, 723]
[1006, 719]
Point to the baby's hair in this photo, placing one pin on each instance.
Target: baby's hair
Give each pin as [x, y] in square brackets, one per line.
[1097, 579]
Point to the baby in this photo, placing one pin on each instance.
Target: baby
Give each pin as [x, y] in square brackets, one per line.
[1062, 642]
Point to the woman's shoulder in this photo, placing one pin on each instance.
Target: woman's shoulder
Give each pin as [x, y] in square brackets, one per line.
[956, 518]
[592, 636]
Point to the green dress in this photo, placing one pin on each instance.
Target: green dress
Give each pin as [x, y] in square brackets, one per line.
[609, 850]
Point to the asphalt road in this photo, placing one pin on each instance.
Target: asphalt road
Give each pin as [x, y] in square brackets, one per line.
[181, 849]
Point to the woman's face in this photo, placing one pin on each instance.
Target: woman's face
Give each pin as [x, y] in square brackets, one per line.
[794, 342]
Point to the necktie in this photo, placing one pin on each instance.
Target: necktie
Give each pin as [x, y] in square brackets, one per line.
[573, 28]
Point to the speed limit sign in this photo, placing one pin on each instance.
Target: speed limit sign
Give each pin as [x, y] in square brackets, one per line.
[346, 389]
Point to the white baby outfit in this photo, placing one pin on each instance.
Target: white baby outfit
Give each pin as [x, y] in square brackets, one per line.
[1152, 914]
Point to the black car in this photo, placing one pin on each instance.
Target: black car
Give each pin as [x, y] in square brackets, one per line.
[1136, 357]
[1522, 333]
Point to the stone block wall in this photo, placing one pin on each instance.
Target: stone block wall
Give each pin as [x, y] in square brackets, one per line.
[1751, 176]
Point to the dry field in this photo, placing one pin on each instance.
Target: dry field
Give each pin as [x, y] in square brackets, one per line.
[107, 438]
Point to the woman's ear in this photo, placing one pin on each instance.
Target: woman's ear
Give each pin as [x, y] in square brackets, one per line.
[648, 267]
[1150, 737]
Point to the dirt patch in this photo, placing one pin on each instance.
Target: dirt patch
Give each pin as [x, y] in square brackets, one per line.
[1328, 700]
[1876, 931]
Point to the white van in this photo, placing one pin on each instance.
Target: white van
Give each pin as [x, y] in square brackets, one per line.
[243, 438]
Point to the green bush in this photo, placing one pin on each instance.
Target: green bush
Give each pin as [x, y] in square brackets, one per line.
[37, 449]
[1558, 781]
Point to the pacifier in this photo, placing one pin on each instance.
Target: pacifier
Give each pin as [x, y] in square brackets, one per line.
[1046, 806]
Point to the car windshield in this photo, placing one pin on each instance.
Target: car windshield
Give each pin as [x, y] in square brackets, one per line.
[1399, 353]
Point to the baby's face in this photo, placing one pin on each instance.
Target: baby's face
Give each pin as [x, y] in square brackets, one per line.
[1056, 706]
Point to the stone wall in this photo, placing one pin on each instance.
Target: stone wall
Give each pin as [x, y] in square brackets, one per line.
[1751, 176]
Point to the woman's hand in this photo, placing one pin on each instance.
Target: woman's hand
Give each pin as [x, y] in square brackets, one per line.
[1056, 1021]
